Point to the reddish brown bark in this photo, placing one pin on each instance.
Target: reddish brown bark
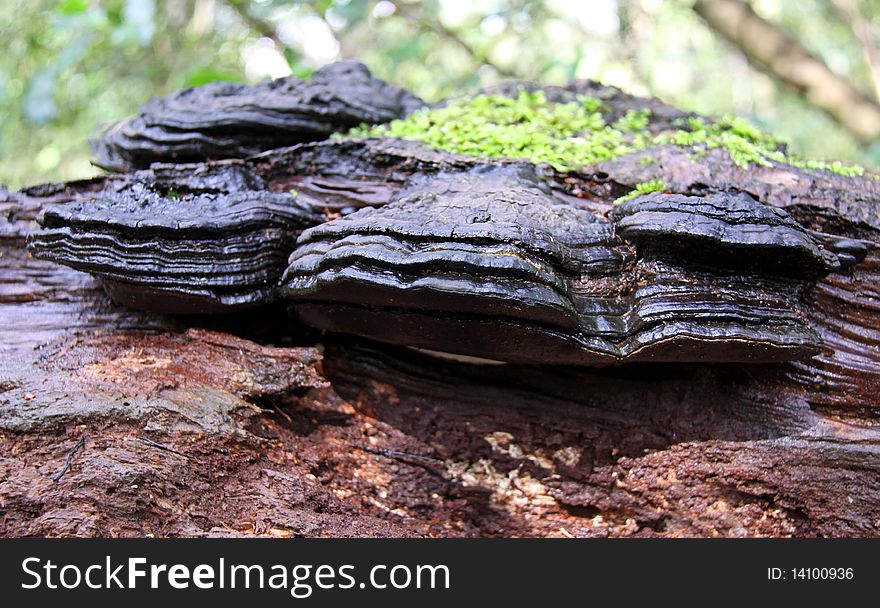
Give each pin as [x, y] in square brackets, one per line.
[197, 427]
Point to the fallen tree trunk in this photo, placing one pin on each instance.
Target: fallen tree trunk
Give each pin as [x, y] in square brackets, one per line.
[121, 423]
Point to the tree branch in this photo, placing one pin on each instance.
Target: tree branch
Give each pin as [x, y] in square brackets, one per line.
[861, 28]
[775, 52]
[260, 26]
[436, 26]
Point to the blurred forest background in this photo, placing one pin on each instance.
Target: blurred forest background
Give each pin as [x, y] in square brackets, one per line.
[806, 70]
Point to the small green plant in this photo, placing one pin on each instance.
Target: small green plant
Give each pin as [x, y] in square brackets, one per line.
[572, 135]
[655, 185]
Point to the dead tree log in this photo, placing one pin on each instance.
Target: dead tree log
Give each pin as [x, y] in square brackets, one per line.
[129, 424]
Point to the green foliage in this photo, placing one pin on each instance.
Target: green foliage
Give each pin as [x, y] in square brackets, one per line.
[833, 166]
[655, 185]
[71, 7]
[633, 121]
[69, 66]
[572, 135]
[203, 76]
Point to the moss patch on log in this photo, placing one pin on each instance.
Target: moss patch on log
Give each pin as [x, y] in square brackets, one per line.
[572, 135]
[655, 185]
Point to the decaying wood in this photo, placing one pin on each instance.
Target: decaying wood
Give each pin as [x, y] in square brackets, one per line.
[250, 424]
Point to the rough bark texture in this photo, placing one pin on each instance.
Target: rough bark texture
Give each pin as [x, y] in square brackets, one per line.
[122, 423]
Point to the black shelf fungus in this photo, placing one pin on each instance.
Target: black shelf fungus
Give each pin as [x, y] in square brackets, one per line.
[178, 252]
[485, 262]
[229, 120]
[724, 230]
[489, 263]
[485, 258]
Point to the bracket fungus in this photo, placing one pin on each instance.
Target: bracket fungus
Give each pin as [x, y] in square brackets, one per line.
[490, 264]
[484, 259]
[229, 120]
[187, 252]
[638, 234]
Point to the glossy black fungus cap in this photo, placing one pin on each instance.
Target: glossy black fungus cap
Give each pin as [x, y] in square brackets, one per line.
[229, 120]
[489, 263]
[724, 231]
[178, 252]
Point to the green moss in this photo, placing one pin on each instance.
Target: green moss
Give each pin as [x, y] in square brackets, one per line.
[833, 166]
[565, 135]
[633, 121]
[746, 145]
[571, 135]
[655, 185]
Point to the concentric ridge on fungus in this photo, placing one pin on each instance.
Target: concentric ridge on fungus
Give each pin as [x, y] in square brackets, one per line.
[726, 230]
[229, 120]
[489, 263]
[178, 253]
[472, 258]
